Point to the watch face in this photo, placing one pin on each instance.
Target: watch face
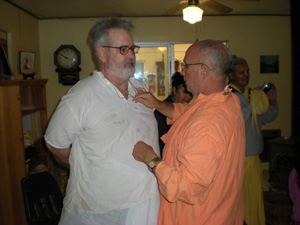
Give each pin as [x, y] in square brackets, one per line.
[67, 58]
[151, 164]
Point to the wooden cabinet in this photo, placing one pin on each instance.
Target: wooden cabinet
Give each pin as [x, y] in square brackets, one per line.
[23, 120]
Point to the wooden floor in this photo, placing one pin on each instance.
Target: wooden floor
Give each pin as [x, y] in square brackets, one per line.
[278, 206]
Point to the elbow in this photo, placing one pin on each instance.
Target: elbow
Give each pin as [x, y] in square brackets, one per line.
[60, 155]
[175, 194]
[49, 147]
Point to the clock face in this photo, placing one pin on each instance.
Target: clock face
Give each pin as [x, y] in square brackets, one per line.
[67, 58]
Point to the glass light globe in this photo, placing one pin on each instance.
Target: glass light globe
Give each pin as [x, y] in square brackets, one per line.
[192, 14]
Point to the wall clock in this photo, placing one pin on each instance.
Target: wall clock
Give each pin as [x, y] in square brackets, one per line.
[67, 60]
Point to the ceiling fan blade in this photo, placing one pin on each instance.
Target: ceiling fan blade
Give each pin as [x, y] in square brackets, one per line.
[215, 6]
[175, 8]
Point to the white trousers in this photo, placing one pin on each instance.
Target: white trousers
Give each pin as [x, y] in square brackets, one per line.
[145, 213]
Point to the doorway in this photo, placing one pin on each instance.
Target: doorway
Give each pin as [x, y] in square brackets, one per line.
[156, 63]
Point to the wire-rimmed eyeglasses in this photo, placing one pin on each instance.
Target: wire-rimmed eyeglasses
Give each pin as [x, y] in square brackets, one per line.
[125, 49]
[185, 66]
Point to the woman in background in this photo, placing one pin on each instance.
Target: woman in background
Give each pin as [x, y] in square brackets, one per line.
[179, 94]
[258, 108]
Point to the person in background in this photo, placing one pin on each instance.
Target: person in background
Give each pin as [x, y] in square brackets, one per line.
[179, 94]
[93, 132]
[200, 176]
[294, 186]
[258, 108]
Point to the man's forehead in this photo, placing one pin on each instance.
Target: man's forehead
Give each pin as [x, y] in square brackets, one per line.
[192, 52]
[119, 34]
[241, 66]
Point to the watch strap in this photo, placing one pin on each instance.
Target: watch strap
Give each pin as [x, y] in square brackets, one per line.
[153, 163]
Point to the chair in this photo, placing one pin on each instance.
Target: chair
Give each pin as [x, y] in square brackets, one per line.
[43, 199]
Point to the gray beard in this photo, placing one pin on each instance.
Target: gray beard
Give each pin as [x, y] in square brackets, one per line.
[125, 74]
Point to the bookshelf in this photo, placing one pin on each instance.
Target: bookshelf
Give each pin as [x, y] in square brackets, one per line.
[23, 120]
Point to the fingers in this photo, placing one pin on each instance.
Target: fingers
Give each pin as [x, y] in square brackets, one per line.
[146, 98]
[140, 90]
[137, 151]
[143, 152]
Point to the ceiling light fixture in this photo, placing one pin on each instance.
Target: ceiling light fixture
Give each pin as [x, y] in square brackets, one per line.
[192, 13]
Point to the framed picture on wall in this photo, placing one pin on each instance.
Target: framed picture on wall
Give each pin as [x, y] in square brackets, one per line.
[269, 64]
[27, 63]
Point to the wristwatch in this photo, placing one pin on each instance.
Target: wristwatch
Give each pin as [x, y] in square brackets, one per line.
[153, 163]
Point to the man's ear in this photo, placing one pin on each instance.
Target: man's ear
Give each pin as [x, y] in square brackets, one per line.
[204, 72]
[102, 54]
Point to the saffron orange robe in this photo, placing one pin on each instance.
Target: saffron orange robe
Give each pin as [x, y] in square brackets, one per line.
[201, 176]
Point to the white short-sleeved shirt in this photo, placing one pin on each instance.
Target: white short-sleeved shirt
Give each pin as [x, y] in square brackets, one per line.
[103, 127]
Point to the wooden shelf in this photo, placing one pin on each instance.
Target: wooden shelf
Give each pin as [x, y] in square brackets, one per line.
[22, 111]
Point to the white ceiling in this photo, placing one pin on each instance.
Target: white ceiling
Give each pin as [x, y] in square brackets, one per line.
[52, 9]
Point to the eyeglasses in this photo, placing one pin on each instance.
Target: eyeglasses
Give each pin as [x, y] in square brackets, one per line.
[185, 66]
[125, 49]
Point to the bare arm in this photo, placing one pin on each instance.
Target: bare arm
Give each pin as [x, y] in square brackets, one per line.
[272, 95]
[61, 155]
[147, 99]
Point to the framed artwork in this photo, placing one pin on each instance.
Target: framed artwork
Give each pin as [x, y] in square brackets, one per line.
[151, 83]
[27, 64]
[269, 64]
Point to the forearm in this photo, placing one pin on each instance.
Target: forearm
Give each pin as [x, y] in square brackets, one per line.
[272, 102]
[60, 155]
[147, 99]
[166, 109]
[270, 115]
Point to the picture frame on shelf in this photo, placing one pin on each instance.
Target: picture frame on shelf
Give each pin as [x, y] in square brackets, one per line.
[27, 64]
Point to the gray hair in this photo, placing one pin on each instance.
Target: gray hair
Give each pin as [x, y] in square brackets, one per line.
[217, 54]
[237, 61]
[100, 33]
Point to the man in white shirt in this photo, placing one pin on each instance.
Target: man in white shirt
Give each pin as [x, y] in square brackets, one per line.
[93, 132]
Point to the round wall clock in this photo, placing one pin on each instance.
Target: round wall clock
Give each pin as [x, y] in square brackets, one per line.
[67, 60]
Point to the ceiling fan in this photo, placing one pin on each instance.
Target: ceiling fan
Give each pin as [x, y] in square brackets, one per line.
[209, 3]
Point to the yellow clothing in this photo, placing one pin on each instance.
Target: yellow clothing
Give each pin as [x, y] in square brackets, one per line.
[258, 100]
[253, 186]
[254, 206]
[201, 176]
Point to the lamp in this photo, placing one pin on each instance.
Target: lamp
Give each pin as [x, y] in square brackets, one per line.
[192, 13]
